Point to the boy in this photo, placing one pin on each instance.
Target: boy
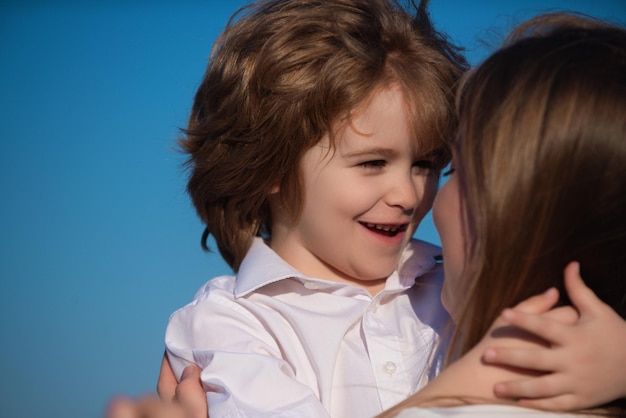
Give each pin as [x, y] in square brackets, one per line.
[315, 142]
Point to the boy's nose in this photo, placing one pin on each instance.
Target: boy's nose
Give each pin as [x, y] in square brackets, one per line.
[404, 193]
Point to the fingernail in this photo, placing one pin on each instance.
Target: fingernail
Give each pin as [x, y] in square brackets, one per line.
[186, 372]
[508, 314]
[490, 354]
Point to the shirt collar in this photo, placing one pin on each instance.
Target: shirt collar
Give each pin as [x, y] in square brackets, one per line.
[417, 258]
[262, 266]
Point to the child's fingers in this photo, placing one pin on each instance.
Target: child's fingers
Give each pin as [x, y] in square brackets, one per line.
[190, 393]
[539, 303]
[145, 407]
[565, 315]
[547, 386]
[538, 325]
[581, 296]
[153, 407]
[121, 408]
[530, 359]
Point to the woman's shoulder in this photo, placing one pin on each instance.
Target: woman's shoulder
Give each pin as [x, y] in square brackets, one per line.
[480, 411]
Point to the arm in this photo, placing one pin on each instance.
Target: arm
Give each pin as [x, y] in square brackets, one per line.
[451, 386]
[244, 364]
[189, 393]
[585, 362]
[190, 401]
[167, 383]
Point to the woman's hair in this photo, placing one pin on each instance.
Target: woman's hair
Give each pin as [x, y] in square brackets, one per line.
[541, 163]
[280, 77]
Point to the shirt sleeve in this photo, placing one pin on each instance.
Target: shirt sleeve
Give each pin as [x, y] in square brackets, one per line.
[243, 370]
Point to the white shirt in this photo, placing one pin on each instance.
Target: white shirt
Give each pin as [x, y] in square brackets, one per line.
[275, 343]
[481, 411]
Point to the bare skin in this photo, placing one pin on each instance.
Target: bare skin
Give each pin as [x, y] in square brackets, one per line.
[178, 400]
[166, 386]
[571, 345]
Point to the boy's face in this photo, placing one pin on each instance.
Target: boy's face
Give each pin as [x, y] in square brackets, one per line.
[362, 202]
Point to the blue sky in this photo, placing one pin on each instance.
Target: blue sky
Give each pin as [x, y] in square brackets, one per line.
[99, 243]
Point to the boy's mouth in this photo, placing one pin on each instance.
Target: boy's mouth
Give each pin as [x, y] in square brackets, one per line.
[387, 230]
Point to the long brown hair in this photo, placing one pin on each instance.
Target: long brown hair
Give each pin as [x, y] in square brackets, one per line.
[542, 167]
[541, 164]
[281, 75]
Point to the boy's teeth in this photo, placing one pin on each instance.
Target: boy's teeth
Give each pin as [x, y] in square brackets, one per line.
[383, 227]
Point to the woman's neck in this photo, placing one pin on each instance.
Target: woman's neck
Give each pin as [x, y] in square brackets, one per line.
[469, 379]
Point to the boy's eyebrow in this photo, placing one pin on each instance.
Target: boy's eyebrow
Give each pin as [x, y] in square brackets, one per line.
[386, 152]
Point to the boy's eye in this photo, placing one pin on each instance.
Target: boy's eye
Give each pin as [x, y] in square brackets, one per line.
[373, 164]
[423, 165]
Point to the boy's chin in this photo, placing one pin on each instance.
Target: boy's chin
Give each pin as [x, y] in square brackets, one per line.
[376, 275]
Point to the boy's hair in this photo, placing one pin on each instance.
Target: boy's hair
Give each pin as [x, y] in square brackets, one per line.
[542, 167]
[280, 77]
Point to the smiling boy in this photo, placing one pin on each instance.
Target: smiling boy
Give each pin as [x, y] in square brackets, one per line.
[315, 141]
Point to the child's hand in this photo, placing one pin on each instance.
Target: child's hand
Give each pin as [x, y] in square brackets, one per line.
[182, 400]
[188, 393]
[145, 407]
[166, 386]
[586, 363]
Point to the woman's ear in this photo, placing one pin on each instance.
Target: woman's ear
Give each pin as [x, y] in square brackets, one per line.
[275, 190]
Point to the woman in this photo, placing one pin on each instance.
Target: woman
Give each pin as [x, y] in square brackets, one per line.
[539, 180]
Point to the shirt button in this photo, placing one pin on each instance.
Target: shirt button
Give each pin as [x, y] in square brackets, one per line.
[389, 368]
[312, 285]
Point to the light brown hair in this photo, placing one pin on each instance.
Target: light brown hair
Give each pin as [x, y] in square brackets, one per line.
[542, 167]
[280, 77]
